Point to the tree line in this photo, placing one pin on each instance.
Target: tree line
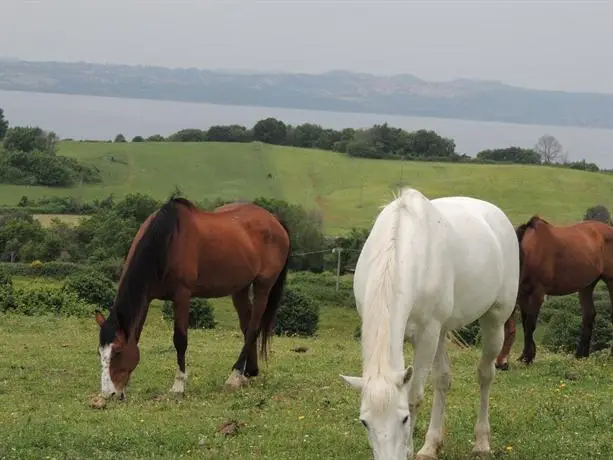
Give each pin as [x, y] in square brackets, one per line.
[104, 236]
[380, 141]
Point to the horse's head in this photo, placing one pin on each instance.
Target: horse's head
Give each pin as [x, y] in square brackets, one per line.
[385, 414]
[119, 356]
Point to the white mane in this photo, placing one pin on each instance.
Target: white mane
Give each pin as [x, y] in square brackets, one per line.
[381, 294]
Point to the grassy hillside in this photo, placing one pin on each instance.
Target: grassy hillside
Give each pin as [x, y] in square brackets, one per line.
[347, 191]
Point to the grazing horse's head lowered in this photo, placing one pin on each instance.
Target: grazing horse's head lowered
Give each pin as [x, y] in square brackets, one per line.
[385, 413]
[119, 356]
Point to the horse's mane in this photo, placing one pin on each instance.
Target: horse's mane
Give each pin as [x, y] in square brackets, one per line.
[146, 267]
[380, 294]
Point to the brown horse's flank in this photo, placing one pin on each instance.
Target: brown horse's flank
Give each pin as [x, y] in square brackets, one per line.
[181, 252]
[557, 261]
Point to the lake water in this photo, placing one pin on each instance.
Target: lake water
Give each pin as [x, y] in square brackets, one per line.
[92, 117]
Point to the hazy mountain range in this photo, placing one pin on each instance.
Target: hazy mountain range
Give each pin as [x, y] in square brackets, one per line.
[333, 91]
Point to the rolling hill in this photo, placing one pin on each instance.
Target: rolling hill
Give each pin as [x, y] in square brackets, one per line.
[347, 191]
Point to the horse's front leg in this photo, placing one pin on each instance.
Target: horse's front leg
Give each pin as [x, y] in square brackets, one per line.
[424, 351]
[441, 385]
[181, 307]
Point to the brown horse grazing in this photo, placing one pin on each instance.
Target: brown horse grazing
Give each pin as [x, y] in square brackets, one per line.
[180, 252]
[557, 261]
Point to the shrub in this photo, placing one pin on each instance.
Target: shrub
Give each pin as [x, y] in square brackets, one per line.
[92, 287]
[36, 264]
[111, 268]
[564, 329]
[298, 314]
[322, 288]
[39, 300]
[57, 270]
[5, 278]
[201, 313]
[599, 213]
[470, 334]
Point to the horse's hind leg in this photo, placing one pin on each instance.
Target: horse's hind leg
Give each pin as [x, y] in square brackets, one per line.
[242, 304]
[492, 337]
[261, 290]
[179, 338]
[588, 311]
[529, 313]
[609, 283]
[502, 361]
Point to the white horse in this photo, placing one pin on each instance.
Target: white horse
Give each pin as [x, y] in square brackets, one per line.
[427, 268]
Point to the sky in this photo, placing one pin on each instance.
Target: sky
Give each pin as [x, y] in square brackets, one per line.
[558, 45]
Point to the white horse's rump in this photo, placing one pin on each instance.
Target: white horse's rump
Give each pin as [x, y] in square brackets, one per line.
[426, 268]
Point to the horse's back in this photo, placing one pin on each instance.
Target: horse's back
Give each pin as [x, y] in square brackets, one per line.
[484, 253]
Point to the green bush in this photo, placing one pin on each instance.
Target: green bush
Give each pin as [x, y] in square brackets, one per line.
[564, 328]
[58, 270]
[470, 334]
[39, 300]
[567, 303]
[201, 313]
[92, 287]
[298, 314]
[111, 268]
[322, 288]
[5, 277]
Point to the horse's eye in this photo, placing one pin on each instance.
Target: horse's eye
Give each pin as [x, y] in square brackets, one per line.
[364, 423]
[405, 420]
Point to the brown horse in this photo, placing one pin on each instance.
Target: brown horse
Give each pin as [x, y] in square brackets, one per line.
[557, 261]
[181, 252]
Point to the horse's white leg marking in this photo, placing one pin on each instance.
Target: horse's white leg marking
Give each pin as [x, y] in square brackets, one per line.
[424, 352]
[107, 387]
[492, 339]
[442, 382]
[179, 384]
[235, 380]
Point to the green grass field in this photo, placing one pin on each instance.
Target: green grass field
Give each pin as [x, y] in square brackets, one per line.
[297, 409]
[346, 191]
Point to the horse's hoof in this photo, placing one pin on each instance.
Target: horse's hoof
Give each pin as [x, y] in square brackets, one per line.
[425, 457]
[235, 381]
[481, 452]
[502, 367]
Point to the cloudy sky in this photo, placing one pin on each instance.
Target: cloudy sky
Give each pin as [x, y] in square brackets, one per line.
[566, 45]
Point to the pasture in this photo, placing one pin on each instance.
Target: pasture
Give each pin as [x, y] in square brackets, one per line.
[297, 408]
[346, 191]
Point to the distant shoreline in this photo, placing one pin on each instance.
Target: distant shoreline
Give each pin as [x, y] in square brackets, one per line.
[342, 92]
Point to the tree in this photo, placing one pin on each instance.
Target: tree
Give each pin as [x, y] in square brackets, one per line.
[599, 213]
[548, 148]
[270, 131]
[120, 138]
[4, 125]
[28, 139]
[138, 139]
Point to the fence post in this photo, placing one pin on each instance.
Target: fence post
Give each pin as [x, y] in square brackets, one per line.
[338, 266]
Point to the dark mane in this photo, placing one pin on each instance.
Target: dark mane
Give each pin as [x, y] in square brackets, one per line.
[146, 267]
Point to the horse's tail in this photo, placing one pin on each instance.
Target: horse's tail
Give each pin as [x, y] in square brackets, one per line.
[521, 232]
[274, 300]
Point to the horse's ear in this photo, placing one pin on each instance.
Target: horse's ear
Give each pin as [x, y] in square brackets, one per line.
[404, 377]
[99, 318]
[355, 382]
